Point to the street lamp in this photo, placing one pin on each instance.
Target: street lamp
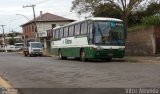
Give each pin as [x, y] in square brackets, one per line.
[24, 34]
[23, 16]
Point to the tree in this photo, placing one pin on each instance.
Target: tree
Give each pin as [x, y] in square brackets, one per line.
[104, 10]
[11, 41]
[84, 6]
[153, 8]
[125, 7]
[147, 12]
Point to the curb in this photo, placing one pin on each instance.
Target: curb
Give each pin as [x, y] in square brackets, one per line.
[4, 83]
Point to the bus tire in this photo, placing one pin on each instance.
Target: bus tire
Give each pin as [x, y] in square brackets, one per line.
[82, 56]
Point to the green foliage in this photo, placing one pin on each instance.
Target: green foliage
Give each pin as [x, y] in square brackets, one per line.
[84, 6]
[11, 41]
[136, 18]
[153, 8]
[13, 34]
[123, 7]
[104, 10]
[151, 20]
[136, 28]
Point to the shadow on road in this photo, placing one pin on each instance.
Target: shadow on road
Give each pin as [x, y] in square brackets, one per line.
[96, 60]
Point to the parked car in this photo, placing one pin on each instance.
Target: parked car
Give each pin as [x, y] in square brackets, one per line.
[10, 48]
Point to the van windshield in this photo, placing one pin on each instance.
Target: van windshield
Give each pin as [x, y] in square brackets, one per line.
[36, 45]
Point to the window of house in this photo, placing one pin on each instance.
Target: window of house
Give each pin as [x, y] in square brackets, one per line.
[84, 28]
[77, 29]
[66, 32]
[71, 30]
[53, 26]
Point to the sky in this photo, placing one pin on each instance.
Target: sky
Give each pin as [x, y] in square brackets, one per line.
[9, 9]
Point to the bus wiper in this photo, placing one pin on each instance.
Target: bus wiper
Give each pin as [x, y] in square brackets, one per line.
[100, 31]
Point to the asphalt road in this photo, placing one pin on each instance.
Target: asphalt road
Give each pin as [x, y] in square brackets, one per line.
[49, 72]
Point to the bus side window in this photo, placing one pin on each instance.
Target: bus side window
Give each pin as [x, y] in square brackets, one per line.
[57, 34]
[53, 34]
[71, 30]
[90, 32]
[84, 28]
[77, 29]
[66, 32]
[61, 33]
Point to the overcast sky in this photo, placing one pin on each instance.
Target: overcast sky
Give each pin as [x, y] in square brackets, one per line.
[9, 9]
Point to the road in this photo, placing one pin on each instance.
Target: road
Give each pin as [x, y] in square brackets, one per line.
[49, 72]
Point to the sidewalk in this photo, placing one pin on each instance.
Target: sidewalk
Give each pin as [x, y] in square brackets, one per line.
[148, 59]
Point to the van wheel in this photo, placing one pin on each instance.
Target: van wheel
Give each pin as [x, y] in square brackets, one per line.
[25, 54]
[60, 55]
[82, 56]
[30, 55]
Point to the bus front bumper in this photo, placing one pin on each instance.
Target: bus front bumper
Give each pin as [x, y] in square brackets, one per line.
[106, 53]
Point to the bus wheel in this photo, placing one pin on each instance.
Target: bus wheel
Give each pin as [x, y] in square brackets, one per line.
[82, 56]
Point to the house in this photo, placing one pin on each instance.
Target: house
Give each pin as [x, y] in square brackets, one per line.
[45, 23]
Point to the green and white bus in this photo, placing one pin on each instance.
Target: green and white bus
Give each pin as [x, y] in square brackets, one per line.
[94, 38]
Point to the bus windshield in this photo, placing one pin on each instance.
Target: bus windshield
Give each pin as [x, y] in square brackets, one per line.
[36, 45]
[18, 45]
[106, 32]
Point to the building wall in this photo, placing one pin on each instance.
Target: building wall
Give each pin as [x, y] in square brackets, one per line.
[28, 31]
[43, 26]
[141, 42]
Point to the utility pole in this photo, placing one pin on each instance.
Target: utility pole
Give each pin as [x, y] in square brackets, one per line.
[35, 31]
[4, 41]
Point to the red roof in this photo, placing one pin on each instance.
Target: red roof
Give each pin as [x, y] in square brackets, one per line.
[48, 17]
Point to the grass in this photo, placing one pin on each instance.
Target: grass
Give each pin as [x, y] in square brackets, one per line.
[137, 28]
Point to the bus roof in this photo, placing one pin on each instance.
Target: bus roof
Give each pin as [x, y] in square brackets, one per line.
[18, 43]
[92, 19]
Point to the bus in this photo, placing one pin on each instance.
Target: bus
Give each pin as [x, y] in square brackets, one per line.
[18, 46]
[93, 38]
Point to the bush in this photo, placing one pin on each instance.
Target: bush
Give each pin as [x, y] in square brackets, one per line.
[151, 20]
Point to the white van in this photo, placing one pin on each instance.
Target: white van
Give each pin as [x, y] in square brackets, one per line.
[34, 48]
